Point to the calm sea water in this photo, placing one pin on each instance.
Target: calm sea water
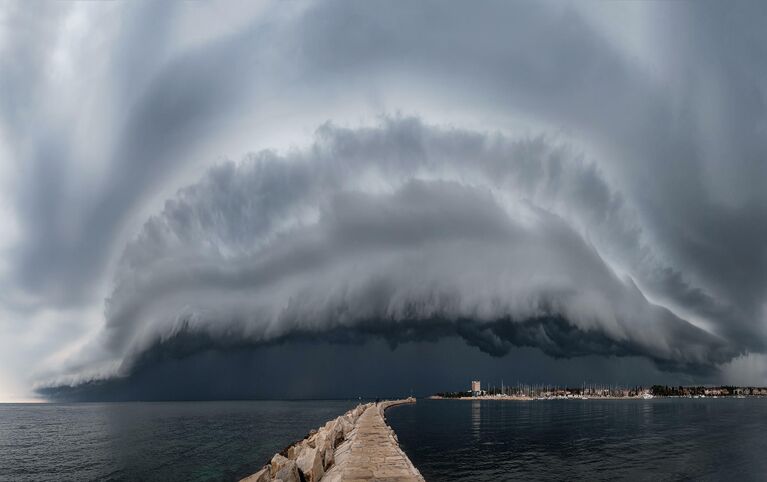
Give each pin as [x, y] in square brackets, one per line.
[669, 439]
[660, 439]
[190, 441]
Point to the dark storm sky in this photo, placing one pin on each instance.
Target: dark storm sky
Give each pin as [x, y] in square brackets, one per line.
[200, 200]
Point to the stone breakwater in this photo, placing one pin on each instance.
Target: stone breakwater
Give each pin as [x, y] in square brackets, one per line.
[358, 445]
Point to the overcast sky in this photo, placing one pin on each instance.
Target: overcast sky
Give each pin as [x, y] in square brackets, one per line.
[203, 199]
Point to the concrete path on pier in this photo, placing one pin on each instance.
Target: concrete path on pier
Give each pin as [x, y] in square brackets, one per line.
[372, 452]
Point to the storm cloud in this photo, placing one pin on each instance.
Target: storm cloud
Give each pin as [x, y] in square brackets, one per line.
[402, 230]
[578, 179]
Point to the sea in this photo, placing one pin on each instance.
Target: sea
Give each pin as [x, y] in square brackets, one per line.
[659, 439]
[152, 441]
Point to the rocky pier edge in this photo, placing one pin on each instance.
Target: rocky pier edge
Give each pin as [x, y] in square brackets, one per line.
[357, 445]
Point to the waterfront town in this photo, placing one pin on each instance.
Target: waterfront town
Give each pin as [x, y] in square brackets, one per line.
[521, 391]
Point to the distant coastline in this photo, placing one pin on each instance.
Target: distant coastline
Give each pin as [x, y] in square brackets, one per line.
[599, 392]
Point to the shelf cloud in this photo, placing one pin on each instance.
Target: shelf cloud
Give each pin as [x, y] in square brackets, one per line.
[400, 231]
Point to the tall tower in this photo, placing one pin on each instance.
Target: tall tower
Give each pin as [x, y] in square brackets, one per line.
[476, 388]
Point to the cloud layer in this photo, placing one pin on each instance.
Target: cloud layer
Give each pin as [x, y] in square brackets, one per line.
[403, 231]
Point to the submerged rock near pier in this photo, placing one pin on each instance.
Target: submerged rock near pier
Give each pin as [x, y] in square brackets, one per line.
[358, 445]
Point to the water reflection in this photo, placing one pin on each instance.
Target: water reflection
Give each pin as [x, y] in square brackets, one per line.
[476, 418]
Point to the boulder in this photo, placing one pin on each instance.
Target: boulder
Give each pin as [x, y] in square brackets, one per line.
[337, 436]
[294, 451]
[317, 441]
[324, 446]
[277, 463]
[288, 472]
[262, 475]
[312, 441]
[346, 427]
[311, 465]
[328, 456]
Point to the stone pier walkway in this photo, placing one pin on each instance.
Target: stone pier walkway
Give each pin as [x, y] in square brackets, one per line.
[371, 452]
